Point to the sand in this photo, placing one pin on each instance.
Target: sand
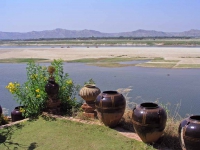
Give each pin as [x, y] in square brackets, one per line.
[186, 55]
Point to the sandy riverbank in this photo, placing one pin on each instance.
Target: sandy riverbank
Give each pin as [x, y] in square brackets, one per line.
[186, 55]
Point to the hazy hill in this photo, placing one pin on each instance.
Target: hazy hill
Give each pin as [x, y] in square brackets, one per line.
[63, 33]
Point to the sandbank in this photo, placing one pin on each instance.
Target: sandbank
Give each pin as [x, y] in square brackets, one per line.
[185, 55]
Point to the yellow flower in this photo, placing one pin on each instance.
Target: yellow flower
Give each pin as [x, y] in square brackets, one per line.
[12, 87]
[38, 96]
[38, 90]
[69, 82]
[21, 110]
[34, 76]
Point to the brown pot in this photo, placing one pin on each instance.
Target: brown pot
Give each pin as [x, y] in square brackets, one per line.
[52, 89]
[0, 110]
[149, 121]
[16, 115]
[89, 93]
[189, 133]
[53, 104]
[110, 107]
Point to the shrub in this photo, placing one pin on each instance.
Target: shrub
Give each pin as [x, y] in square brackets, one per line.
[32, 93]
[3, 119]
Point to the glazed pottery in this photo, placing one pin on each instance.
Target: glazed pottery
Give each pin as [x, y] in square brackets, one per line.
[52, 89]
[16, 115]
[149, 121]
[110, 107]
[0, 110]
[189, 133]
[89, 93]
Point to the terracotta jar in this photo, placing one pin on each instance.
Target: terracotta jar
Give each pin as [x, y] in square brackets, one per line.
[52, 89]
[89, 93]
[110, 107]
[149, 121]
[0, 110]
[189, 133]
[16, 115]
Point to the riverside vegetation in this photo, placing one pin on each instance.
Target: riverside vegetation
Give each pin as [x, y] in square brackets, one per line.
[121, 41]
[32, 91]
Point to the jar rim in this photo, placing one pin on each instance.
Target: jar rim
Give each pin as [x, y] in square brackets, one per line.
[149, 105]
[89, 85]
[195, 118]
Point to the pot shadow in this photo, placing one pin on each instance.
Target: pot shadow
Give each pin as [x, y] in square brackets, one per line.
[6, 136]
[32, 146]
[7, 141]
[168, 142]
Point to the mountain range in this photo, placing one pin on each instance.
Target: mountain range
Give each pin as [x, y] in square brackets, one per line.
[63, 33]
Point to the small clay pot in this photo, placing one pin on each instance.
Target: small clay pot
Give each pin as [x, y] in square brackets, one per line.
[0, 110]
[16, 115]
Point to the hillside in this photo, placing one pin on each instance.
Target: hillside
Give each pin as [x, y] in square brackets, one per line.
[63, 33]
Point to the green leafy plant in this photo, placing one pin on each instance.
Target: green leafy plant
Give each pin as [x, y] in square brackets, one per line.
[91, 81]
[32, 93]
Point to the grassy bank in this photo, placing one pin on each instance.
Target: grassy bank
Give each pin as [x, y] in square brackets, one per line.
[51, 133]
[109, 62]
[23, 60]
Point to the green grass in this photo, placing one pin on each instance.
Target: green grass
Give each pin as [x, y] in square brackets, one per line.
[109, 62]
[63, 134]
[104, 60]
[188, 66]
[111, 65]
[158, 65]
[22, 60]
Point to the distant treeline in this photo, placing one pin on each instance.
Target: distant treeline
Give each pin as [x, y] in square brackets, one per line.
[102, 38]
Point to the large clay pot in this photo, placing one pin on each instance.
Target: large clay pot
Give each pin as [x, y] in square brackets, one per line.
[52, 89]
[16, 115]
[189, 133]
[110, 107]
[89, 92]
[149, 121]
[0, 110]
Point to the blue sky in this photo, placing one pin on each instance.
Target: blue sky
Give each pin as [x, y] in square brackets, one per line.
[102, 15]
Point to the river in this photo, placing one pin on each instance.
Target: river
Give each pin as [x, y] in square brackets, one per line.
[168, 86]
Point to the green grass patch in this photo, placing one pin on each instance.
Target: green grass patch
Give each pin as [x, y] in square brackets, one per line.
[63, 134]
[111, 65]
[115, 59]
[22, 60]
[158, 65]
[188, 66]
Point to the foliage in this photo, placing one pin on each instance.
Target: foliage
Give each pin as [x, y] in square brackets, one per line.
[3, 119]
[32, 93]
[91, 81]
[67, 88]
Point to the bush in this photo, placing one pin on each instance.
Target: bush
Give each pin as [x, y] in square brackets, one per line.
[32, 93]
[3, 120]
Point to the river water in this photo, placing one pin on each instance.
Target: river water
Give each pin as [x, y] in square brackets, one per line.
[168, 86]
